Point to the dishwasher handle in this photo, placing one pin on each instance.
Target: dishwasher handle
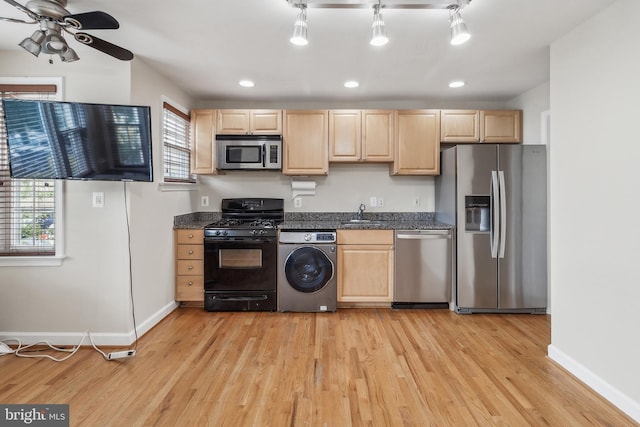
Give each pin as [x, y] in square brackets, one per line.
[423, 235]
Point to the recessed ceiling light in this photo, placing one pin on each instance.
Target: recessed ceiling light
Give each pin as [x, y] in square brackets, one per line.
[351, 84]
[246, 83]
[457, 83]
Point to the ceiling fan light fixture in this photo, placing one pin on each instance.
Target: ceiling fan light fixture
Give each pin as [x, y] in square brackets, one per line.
[378, 32]
[54, 43]
[69, 55]
[459, 32]
[33, 44]
[299, 35]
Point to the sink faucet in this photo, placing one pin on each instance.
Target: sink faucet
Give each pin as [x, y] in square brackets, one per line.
[360, 210]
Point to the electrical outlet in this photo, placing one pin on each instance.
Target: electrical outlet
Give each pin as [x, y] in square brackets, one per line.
[98, 199]
[416, 202]
[380, 201]
[373, 201]
[204, 201]
[297, 202]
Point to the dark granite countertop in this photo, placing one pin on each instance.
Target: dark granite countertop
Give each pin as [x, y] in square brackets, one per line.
[330, 221]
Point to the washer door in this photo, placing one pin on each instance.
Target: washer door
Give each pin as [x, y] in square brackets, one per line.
[308, 269]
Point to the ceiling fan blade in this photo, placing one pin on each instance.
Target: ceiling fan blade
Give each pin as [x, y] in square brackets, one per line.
[92, 21]
[104, 46]
[23, 9]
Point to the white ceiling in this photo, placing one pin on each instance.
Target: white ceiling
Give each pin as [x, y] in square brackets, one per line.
[206, 47]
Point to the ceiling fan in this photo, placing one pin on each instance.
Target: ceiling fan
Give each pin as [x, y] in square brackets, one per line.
[54, 20]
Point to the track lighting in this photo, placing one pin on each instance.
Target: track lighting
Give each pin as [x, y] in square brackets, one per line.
[299, 35]
[459, 33]
[378, 32]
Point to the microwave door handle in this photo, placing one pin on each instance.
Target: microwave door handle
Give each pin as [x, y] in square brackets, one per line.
[264, 155]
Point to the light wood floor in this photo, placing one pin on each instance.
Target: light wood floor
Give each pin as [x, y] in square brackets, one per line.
[356, 367]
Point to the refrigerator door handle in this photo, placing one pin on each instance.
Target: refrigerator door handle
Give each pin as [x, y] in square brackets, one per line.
[495, 215]
[503, 214]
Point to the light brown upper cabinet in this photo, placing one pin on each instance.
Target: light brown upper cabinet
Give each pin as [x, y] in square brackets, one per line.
[416, 142]
[203, 147]
[501, 125]
[306, 142]
[460, 126]
[492, 126]
[250, 122]
[360, 135]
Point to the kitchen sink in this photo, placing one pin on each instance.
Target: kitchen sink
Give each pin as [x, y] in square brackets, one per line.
[356, 222]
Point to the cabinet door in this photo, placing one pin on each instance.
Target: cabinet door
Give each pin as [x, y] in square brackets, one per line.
[266, 122]
[377, 135]
[233, 121]
[365, 273]
[306, 142]
[460, 126]
[501, 126]
[203, 149]
[345, 136]
[416, 142]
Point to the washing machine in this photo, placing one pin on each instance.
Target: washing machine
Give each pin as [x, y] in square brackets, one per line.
[307, 279]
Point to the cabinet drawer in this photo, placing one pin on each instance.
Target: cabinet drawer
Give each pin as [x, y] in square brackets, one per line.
[195, 237]
[190, 268]
[190, 252]
[365, 237]
[189, 288]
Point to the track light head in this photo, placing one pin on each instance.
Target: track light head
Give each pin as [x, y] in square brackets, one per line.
[378, 32]
[459, 32]
[299, 35]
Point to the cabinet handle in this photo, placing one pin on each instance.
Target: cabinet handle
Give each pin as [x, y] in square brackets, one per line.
[190, 252]
[191, 236]
[190, 283]
[190, 267]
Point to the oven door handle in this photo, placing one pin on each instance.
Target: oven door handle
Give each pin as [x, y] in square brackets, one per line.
[240, 298]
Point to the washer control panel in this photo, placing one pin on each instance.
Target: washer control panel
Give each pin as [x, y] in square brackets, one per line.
[308, 236]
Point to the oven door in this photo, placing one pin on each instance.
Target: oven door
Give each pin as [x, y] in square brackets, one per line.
[240, 265]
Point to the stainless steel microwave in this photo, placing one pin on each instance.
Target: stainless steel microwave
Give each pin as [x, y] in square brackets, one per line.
[249, 152]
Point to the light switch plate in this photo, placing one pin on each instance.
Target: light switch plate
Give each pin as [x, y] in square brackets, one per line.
[98, 199]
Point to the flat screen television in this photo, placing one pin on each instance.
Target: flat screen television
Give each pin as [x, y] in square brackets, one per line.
[68, 140]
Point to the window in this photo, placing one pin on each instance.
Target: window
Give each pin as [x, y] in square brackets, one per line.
[177, 145]
[27, 207]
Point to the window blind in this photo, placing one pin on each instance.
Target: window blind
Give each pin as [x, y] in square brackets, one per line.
[27, 206]
[177, 145]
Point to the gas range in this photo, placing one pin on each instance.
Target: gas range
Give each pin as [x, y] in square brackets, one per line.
[240, 256]
[247, 218]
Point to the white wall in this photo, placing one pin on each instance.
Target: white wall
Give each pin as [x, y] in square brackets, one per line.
[534, 104]
[90, 291]
[594, 157]
[342, 190]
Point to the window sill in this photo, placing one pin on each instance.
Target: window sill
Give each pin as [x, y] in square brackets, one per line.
[31, 261]
[178, 186]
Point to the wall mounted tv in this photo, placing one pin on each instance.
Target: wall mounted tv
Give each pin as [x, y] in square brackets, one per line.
[67, 140]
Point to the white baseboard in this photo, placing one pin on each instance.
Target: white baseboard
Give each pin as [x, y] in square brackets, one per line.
[606, 390]
[99, 338]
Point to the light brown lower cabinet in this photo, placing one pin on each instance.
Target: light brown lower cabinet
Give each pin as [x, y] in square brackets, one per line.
[365, 266]
[189, 247]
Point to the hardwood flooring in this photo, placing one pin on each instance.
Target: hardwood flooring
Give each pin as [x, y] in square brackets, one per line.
[355, 367]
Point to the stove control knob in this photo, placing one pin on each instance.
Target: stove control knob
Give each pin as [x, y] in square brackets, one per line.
[225, 232]
[307, 237]
[254, 232]
[262, 232]
[217, 232]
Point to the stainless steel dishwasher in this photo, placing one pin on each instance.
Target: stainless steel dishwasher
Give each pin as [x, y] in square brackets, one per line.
[423, 269]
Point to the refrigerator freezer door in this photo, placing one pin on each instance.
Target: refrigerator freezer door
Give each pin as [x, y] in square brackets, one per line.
[522, 272]
[476, 269]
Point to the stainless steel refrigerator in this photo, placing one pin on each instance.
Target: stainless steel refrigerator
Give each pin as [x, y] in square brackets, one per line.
[496, 196]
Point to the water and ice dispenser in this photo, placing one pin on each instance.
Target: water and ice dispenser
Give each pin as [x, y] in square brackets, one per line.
[477, 213]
